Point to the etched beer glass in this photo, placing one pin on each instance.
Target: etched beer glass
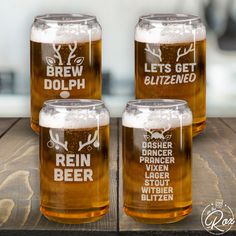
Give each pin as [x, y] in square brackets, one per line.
[74, 160]
[65, 55]
[170, 61]
[157, 172]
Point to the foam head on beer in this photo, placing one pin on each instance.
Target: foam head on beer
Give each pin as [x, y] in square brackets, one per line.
[165, 31]
[156, 113]
[74, 29]
[70, 116]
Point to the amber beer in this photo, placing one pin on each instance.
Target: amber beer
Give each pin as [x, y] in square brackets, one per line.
[74, 165]
[65, 59]
[170, 61]
[157, 172]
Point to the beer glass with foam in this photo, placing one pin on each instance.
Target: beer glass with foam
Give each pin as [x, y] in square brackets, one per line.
[65, 56]
[170, 61]
[157, 172]
[74, 166]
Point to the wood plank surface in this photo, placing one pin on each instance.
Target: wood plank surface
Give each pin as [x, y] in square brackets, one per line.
[214, 177]
[6, 124]
[19, 185]
[230, 122]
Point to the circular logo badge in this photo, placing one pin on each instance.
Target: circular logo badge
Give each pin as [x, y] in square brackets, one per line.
[217, 218]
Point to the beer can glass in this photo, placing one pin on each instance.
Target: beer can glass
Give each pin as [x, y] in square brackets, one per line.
[74, 160]
[170, 61]
[157, 173]
[65, 56]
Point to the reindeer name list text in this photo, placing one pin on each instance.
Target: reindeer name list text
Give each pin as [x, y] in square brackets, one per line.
[157, 156]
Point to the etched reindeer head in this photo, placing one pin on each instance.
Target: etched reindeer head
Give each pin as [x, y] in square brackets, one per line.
[159, 134]
[52, 61]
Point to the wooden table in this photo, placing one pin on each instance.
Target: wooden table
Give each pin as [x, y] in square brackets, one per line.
[214, 177]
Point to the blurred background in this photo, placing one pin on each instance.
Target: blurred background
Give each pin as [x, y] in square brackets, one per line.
[118, 19]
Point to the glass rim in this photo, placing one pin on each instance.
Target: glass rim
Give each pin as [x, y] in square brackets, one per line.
[170, 18]
[74, 103]
[64, 18]
[157, 103]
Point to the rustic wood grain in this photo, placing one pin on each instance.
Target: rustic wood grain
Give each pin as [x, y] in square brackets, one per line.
[214, 177]
[19, 185]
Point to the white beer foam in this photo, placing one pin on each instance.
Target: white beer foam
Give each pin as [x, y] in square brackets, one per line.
[170, 34]
[74, 119]
[156, 119]
[66, 34]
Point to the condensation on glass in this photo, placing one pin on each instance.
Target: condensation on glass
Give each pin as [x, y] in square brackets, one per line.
[157, 172]
[65, 52]
[170, 61]
[74, 160]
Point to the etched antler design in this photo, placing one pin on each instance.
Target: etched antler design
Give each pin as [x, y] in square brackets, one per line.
[90, 141]
[185, 51]
[153, 52]
[166, 129]
[148, 130]
[71, 55]
[157, 134]
[57, 55]
[56, 141]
